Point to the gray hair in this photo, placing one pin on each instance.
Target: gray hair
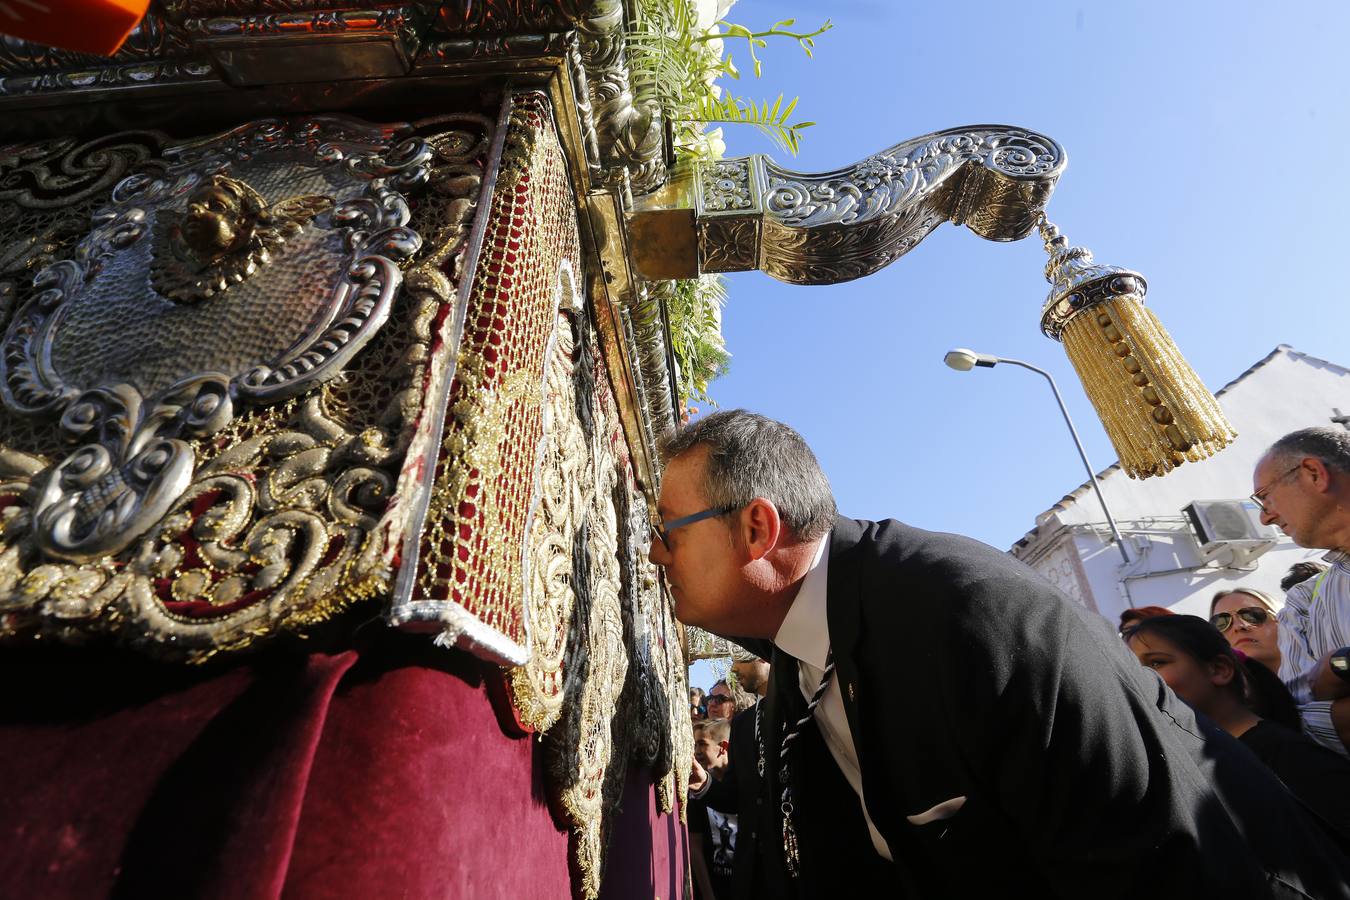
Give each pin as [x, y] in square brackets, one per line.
[751, 456]
[1330, 445]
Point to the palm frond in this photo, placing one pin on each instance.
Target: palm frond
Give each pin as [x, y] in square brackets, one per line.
[772, 121]
[674, 60]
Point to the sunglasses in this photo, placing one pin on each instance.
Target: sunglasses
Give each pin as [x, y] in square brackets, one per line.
[1250, 614]
[719, 698]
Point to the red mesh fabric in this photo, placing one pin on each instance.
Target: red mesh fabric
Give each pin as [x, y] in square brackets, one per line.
[485, 475]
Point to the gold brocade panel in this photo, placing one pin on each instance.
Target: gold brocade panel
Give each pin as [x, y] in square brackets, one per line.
[212, 374]
[534, 542]
[472, 562]
[607, 680]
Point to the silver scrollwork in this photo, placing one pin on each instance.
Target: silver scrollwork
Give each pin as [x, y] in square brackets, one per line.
[841, 225]
[265, 273]
[629, 127]
[131, 472]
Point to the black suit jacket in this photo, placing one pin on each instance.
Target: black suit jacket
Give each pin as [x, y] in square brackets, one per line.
[965, 674]
[759, 869]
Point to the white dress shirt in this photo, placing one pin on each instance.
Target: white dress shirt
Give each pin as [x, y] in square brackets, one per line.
[805, 635]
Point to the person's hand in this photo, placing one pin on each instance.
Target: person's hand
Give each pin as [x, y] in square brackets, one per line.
[698, 777]
[1326, 684]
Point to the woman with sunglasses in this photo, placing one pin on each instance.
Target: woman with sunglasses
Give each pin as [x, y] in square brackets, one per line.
[1247, 700]
[1246, 618]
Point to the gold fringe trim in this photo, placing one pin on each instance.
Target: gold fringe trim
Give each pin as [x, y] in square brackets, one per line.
[1154, 407]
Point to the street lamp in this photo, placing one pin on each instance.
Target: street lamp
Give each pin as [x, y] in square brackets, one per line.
[963, 360]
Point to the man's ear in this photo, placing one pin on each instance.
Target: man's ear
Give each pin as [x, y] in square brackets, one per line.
[760, 528]
[1319, 474]
[725, 745]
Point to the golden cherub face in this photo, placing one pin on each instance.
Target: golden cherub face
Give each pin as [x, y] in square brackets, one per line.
[223, 236]
[219, 219]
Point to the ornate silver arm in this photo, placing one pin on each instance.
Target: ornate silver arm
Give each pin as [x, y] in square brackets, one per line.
[747, 213]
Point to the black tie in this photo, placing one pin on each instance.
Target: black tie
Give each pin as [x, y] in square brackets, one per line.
[793, 714]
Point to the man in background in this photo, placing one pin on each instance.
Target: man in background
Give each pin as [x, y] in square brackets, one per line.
[1302, 484]
[751, 675]
[1300, 572]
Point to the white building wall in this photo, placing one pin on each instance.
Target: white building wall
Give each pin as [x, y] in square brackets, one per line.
[1286, 392]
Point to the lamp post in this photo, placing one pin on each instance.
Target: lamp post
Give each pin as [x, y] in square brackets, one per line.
[963, 360]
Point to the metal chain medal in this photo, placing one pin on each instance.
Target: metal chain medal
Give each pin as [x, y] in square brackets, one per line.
[790, 849]
[759, 741]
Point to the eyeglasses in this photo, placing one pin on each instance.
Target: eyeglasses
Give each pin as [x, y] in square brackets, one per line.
[1252, 615]
[719, 698]
[662, 530]
[1259, 498]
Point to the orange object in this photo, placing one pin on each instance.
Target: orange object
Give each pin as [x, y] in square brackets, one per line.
[89, 26]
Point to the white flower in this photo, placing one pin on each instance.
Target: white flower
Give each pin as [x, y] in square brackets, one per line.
[708, 12]
[717, 147]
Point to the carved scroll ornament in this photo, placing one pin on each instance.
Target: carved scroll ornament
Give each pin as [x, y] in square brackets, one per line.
[749, 213]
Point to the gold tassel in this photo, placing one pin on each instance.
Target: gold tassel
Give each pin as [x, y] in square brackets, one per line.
[1154, 408]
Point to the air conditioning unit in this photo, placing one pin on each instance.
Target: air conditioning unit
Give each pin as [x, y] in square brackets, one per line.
[1229, 532]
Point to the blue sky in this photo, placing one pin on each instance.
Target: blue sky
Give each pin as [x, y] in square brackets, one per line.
[1206, 147]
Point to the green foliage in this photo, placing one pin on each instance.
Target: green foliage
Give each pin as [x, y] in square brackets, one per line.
[772, 121]
[678, 61]
[694, 311]
[756, 39]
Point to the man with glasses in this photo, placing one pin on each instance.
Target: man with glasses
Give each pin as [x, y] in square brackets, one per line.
[1302, 484]
[940, 721]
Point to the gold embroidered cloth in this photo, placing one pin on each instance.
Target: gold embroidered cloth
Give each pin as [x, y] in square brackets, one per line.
[213, 371]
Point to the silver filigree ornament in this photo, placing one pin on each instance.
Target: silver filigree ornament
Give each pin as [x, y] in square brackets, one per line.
[808, 228]
[274, 256]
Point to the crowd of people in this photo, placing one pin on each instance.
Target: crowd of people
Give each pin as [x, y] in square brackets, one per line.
[919, 715]
[1227, 668]
[728, 714]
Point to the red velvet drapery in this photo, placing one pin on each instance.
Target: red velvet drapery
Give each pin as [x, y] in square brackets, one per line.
[382, 773]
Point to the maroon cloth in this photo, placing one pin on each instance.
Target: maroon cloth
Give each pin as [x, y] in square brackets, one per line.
[647, 851]
[383, 773]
